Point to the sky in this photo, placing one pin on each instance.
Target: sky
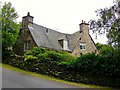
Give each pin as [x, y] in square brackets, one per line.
[61, 15]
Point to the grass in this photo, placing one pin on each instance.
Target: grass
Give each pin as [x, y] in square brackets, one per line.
[49, 78]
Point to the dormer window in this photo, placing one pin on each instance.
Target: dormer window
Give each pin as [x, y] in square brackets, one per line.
[61, 42]
[64, 44]
[83, 46]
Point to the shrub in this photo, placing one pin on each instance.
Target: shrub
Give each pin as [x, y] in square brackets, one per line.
[88, 68]
[55, 56]
[66, 61]
[83, 62]
[30, 57]
[37, 50]
[107, 50]
[43, 57]
[28, 52]
[50, 55]
[67, 57]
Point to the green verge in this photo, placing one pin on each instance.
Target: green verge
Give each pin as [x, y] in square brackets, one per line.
[9, 67]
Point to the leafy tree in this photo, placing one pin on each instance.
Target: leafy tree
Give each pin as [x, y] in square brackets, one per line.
[9, 27]
[105, 50]
[99, 46]
[109, 22]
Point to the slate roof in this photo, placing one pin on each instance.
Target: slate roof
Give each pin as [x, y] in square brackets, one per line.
[46, 37]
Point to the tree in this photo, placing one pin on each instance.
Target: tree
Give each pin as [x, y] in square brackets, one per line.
[99, 46]
[108, 22]
[9, 28]
[105, 50]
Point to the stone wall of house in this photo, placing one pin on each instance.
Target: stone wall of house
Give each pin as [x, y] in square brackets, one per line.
[90, 47]
[24, 36]
[85, 38]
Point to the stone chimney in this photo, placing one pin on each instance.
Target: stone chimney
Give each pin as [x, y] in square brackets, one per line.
[84, 27]
[27, 21]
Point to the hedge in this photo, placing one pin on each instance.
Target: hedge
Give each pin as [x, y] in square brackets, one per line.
[88, 68]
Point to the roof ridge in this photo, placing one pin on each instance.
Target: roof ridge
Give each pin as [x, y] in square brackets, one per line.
[52, 29]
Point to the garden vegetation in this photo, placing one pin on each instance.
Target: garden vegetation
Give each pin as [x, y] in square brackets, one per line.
[89, 68]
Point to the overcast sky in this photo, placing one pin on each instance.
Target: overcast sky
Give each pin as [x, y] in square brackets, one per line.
[61, 15]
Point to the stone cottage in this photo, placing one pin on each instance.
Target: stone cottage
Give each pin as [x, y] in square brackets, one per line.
[32, 35]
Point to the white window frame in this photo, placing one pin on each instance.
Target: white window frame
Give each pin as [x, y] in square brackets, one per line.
[83, 45]
[26, 46]
[65, 45]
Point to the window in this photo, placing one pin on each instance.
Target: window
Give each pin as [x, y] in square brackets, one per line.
[26, 46]
[83, 46]
[61, 42]
[64, 44]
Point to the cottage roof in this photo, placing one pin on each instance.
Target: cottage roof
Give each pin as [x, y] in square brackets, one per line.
[48, 38]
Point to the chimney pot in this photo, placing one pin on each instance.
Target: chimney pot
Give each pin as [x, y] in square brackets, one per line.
[84, 27]
[82, 21]
[28, 14]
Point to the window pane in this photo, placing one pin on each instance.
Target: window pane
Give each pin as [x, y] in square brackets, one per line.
[26, 45]
[80, 46]
[83, 46]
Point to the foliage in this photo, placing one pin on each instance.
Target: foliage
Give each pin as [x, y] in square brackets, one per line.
[106, 63]
[36, 51]
[99, 46]
[43, 57]
[49, 55]
[105, 50]
[30, 57]
[92, 63]
[108, 22]
[88, 69]
[54, 56]
[9, 27]
[85, 62]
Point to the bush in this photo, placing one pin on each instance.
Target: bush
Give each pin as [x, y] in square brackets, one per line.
[106, 50]
[84, 62]
[36, 50]
[55, 56]
[89, 63]
[95, 65]
[88, 68]
[30, 57]
[50, 55]
[43, 57]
